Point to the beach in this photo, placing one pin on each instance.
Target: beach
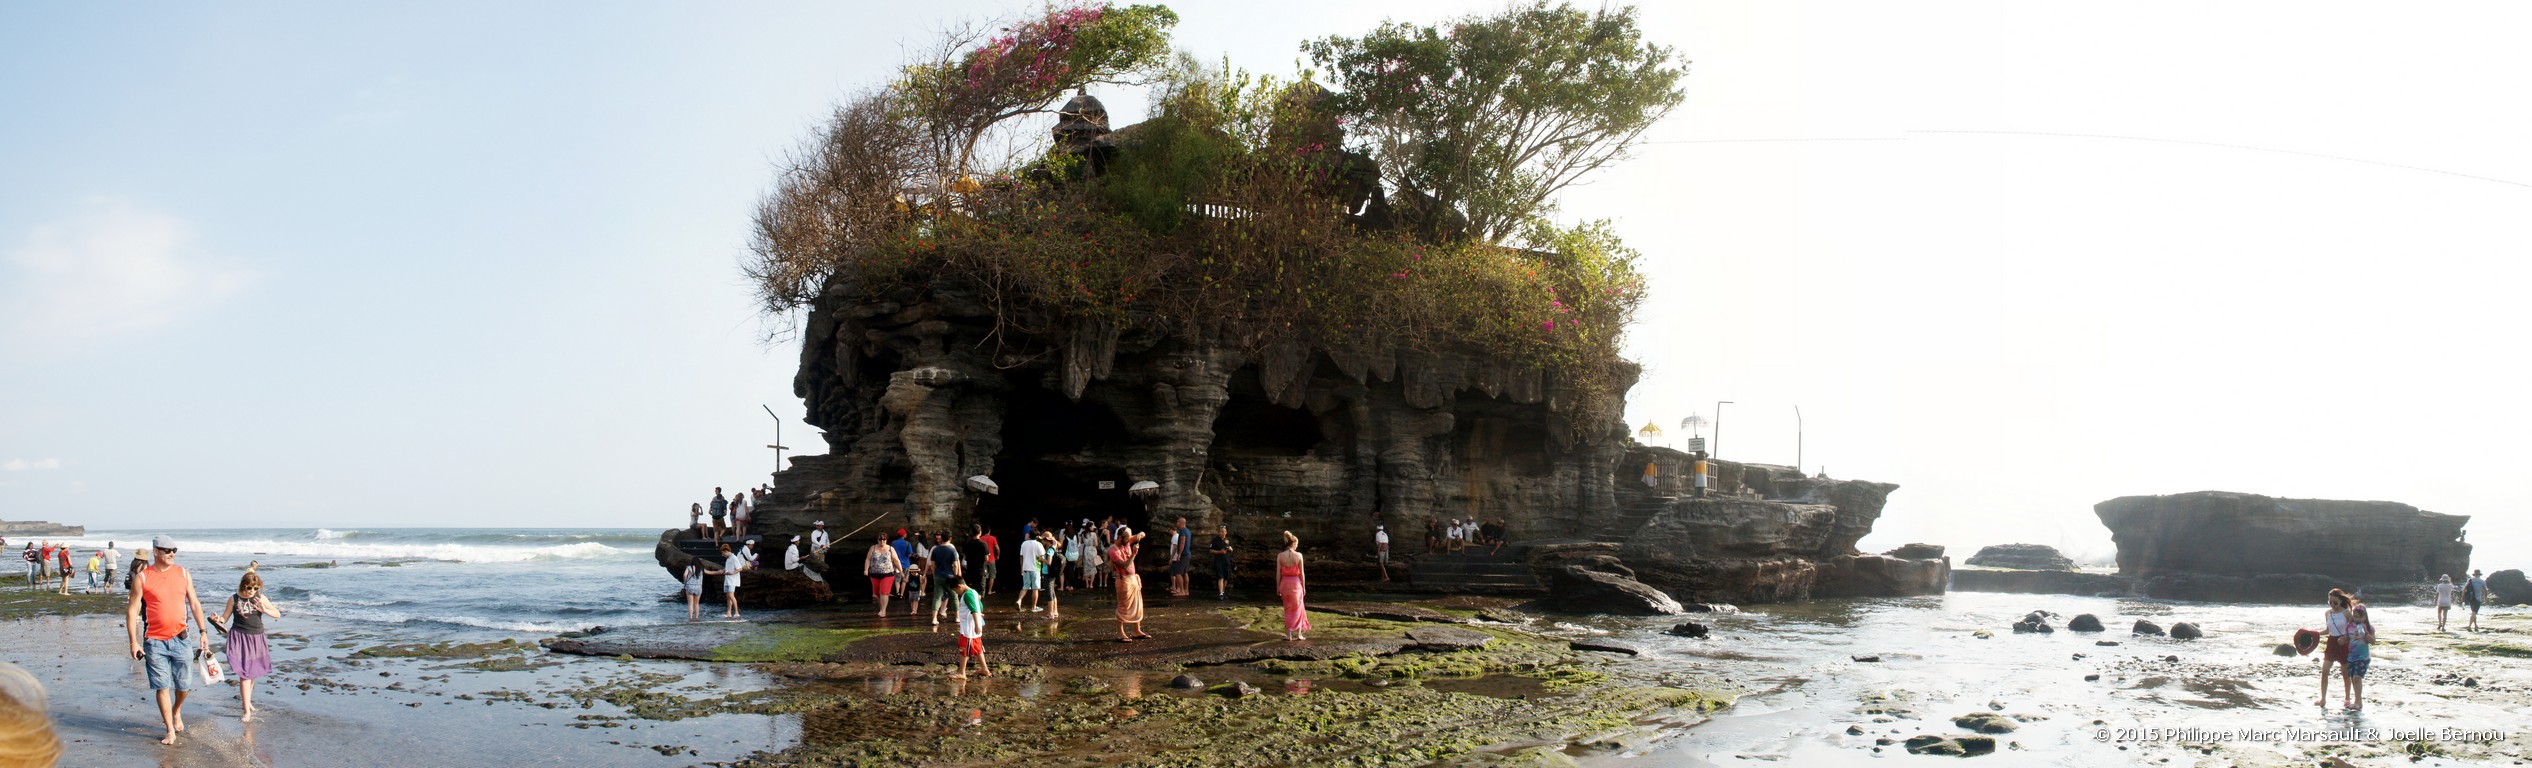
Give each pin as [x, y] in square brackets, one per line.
[423, 680]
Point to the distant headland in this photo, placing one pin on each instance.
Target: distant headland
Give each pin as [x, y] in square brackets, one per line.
[39, 528]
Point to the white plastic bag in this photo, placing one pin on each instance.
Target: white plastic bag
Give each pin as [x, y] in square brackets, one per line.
[209, 664]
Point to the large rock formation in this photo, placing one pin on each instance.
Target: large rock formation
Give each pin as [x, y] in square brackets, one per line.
[39, 528]
[2028, 557]
[2508, 587]
[1768, 535]
[2214, 545]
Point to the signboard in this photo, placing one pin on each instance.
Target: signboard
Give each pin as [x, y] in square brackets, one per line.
[1696, 445]
[1107, 485]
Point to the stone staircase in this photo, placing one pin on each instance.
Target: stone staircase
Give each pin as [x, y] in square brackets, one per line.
[1473, 570]
[1634, 510]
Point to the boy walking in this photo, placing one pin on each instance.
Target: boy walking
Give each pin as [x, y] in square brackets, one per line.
[971, 630]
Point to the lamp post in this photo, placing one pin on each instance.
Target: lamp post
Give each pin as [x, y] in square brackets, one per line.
[777, 446]
[1718, 427]
[1797, 441]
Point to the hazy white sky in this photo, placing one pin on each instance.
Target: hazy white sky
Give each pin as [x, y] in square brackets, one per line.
[474, 264]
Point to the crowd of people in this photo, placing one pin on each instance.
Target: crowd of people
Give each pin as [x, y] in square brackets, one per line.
[51, 566]
[1457, 535]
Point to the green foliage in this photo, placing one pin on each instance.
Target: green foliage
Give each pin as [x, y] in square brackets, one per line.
[1492, 115]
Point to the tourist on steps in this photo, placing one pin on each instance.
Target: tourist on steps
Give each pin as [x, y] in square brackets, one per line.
[720, 513]
[882, 565]
[1288, 584]
[242, 620]
[739, 511]
[162, 597]
[1129, 585]
[1220, 548]
[694, 517]
[2443, 599]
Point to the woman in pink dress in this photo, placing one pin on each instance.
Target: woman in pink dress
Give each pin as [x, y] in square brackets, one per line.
[1129, 585]
[1288, 581]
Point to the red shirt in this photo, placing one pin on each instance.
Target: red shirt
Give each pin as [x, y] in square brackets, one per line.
[993, 549]
[163, 600]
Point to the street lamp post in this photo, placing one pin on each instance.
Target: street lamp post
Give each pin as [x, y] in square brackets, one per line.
[1797, 441]
[777, 446]
[1718, 426]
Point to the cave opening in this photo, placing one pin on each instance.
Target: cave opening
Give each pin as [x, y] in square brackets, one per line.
[1252, 424]
[1047, 470]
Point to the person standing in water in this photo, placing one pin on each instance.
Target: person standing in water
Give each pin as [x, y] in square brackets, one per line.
[2443, 599]
[162, 597]
[1054, 574]
[2334, 640]
[2360, 656]
[62, 554]
[948, 569]
[250, 658]
[695, 571]
[971, 629]
[731, 565]
[1288, 584]
[95, 570]
[882, 565]
[1129, 585]
[112, 559]
[1032, 568]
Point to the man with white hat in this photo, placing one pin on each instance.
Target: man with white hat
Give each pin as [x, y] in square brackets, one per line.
[818, 541]
[162, 595]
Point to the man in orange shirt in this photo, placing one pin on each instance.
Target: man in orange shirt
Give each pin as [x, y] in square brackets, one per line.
[155, 619]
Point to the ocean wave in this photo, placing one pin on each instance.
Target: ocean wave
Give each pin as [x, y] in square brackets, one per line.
[457, 553]
[326, 534]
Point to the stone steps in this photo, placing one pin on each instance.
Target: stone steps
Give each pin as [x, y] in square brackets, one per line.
[1474, 571]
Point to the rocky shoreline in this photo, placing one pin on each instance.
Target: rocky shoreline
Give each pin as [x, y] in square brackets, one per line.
[39, 528]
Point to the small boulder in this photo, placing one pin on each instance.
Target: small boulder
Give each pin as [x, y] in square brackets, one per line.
[2186, 631]
[2144, 627]
[1855, 730]
[1186, 682]
[1580, 590]
[2091, 678]
[1985, 722]
[2106, 643]
[2283, 649]
[1239, 690]
[2172, 659]
[1982, 634]
[2036, 622]
[1930, 744]
[1688, 629]
[1975, 745]
[1866, 659]
[2084, 622]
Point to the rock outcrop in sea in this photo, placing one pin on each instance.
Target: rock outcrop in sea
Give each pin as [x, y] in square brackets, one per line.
[2029, 557]
[2215, 545]
[39, 528]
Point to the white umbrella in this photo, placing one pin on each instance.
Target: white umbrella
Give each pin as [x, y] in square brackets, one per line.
[985, 484]
[1145, 489]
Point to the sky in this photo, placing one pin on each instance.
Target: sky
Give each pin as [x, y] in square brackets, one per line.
[475, 264]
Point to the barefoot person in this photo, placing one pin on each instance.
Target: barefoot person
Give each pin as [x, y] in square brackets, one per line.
[2360, 656]
[971, 629]
[740, 511]
[2334, 640]
[882, 565]
[1129, 585]
[694, 590]
[1032, 568]
[731, 565]
[162, 596]
[1288, 584]
[249, 657]
[1182, 552]
[1054, 573]
[720, 512]
[2475, 592]
[2443, 599]
[1220, 548]
[947, 568]
[1380, 549]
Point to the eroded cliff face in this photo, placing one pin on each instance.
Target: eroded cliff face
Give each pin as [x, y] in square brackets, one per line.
[918, 389]
[2241, 535]
[1763, 534]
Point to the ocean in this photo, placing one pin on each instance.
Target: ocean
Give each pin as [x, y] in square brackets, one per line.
[525, 580]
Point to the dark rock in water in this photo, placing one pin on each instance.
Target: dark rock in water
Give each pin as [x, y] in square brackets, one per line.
[1600, 646]
[2036, 622]
[1926, 744]
[1975, 745]
[1917, 552]
[2144, 627]
[1866, 659]
[1688, 629]
[2084, 622]
[2186, 631]
[2027, 557]
[2106, 643]
[1855, 730]
[2247, 536]
[1239, 690]
[1986, 722]
[2172, 659]
[1580, 590]
[1983, 635]
[1186, 682]
[2508, 587]
[2091, 678]
[2283, 649]
[1880, 576]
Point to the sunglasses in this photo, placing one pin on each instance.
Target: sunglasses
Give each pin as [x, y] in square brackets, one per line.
[166, 550]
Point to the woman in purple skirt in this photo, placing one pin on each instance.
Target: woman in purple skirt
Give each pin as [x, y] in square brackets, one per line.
[243, 619]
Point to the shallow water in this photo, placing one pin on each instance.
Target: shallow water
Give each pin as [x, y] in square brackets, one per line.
[1797, 660]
